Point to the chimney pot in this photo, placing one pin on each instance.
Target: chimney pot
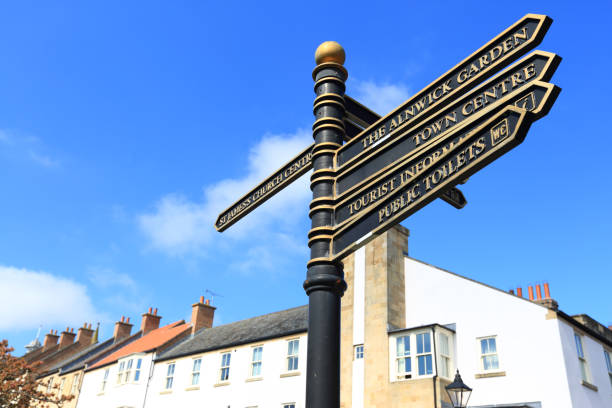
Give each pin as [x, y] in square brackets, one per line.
[546, 291]
[530, 288]
[539, 292]
[128, 320]
[511, 291]
[208, 301]
[89, 327]
[150, 310]
[519, 292]
[155, 312]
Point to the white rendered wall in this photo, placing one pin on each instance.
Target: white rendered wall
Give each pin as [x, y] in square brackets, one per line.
[529, 345]
[358, 380]
[123, 395]
[273, 388]
[581, 395]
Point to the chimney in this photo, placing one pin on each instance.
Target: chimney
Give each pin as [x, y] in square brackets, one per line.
[519, 292]
[511, 291]
[530, 289]
[66, 338]
[123, 328]
[150, 321]
[539, 292]
[202, 314]
[50, 340]
[547, 301]
[84, 334]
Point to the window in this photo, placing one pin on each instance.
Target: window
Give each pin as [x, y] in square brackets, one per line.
[293, 350]
[137, 371]
[195, 371]
[256, 361]
[488, 354]
[584, 369]
[225, 366]
[120, 372]
[445, 359]
[608, 364]
[581, 358]
[424, 358]
[104, 380]
[402, 357]
[50, 385]
[169, 376]
[61, 388]
[359, 352]
[75, 384]
[289, 405]
[128, 371]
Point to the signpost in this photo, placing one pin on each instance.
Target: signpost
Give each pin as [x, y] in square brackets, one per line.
[392, 166]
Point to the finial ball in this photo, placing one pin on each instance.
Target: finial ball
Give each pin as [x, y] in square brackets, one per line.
[330, 51]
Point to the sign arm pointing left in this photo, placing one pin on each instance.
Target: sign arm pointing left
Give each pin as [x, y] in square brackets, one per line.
[357, 118]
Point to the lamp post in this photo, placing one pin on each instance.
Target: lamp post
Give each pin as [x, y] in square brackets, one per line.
[458, 392]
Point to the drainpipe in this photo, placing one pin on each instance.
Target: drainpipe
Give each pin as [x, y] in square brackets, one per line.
[435, 357]
[144, 400]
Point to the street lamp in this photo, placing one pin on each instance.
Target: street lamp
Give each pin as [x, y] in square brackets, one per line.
[458, 392]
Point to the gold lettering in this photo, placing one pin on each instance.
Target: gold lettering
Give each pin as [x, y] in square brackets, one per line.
[522, 36]
[393, 124]
[529, 71]
[465, 110]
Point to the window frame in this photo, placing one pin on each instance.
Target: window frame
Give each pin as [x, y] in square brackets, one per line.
[358, 352]
[424, 353]
[289, 405]
[583, 363]
[49, 385]
[128, 371]
[608, 361]
[194, 372]
[104, 380]
[256, 363]
[120, 369]
[75, 380]
[221, 378]
[481, 355]
[169, 377]
[403, 375]
[292, 356]
[137, 370]
[446, 357]
[60, 390]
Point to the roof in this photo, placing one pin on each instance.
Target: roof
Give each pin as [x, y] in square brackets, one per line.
[78, 357]
[150, 341]
[278, 324]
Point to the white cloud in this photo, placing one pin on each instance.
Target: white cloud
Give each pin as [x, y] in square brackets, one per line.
[179, 226]
[43, 160]
[26, 147]
[4, 137]
[108, 278]
[381, 98]
[29, 298]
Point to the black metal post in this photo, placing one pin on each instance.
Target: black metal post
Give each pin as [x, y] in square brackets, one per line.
[324, 283]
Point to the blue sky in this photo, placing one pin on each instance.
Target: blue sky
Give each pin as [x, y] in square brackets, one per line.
[125, 127]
